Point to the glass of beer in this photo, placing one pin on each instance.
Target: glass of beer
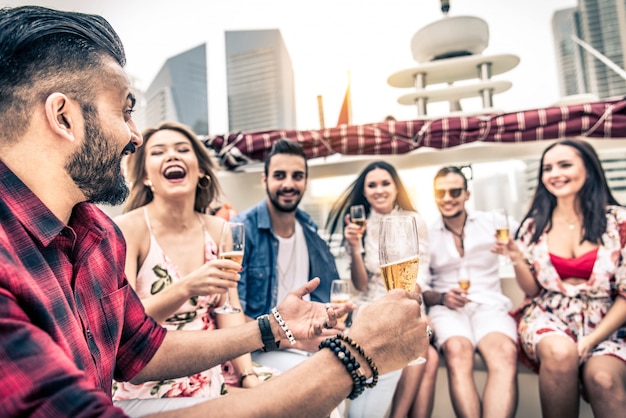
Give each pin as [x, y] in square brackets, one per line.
[398, 250]
[339, 294]
[230, 247]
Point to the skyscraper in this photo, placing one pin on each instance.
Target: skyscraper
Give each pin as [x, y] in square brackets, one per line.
[602, 25]
[179, 92]
[260, 82]
[570, 63]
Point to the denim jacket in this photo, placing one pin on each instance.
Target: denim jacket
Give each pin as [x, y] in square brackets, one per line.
[258, 286]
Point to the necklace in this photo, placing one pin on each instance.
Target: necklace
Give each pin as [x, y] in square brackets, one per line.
[282, 278]
[459, 235]
[571, 225]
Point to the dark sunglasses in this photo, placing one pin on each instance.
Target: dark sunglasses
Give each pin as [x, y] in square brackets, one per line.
[454, 193]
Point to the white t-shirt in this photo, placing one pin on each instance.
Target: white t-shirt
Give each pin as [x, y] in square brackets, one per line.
[292, 263]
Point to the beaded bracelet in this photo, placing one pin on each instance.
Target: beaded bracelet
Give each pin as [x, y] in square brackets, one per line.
[284, 326]
[369, 360]
[349, 361]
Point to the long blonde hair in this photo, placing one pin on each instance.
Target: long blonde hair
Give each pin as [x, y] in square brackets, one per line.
[141, 195]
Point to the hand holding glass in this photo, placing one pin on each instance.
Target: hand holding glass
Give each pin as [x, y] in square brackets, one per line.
[357, 215]
[464, 280]
[231, 246]
[339, 294]
[398, 250]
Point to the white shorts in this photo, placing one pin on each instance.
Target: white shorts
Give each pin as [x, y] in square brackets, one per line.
[473, 321]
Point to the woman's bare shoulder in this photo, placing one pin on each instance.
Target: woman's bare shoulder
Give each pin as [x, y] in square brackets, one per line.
[213, 225]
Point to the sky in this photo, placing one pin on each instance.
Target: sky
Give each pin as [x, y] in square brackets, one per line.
[327, 40]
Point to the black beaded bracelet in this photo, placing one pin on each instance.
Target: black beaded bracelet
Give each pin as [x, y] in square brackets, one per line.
[367, 358]
[351, 364]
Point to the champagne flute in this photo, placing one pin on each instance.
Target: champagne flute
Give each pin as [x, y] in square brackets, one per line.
[339, 294]
[398, 251]
[463, 278]
[357, 216]
[501, 225]
[231, 246]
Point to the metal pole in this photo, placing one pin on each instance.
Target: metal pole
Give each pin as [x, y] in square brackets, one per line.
[420, 84]
[320, 110]
[602, 58]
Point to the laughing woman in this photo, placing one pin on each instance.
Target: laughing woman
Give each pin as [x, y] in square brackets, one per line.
[171, 257]
[570, 259]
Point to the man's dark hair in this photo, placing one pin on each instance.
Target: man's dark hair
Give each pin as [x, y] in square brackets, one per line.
[444, 171]
[43, 51]
[284, 146]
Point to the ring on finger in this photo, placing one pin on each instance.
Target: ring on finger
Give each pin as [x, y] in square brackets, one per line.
[429, 331]
[326, 325]
[328, 306]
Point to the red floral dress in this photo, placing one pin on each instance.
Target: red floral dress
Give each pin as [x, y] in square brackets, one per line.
[574, 310]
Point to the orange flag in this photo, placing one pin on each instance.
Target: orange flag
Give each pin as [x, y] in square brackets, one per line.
[345, 114]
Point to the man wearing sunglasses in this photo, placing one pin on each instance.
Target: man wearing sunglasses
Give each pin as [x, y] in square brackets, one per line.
[467, 309]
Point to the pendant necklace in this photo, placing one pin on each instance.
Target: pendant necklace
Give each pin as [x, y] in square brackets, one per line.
[571, 225]
[459, 235]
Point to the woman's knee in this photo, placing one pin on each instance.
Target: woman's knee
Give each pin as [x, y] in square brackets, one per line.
[602, 381]
[557, 354]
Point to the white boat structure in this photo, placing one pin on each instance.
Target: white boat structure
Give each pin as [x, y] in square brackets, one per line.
[451, 66]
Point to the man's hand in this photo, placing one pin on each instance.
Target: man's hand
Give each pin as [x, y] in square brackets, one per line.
[309, 320]
[456, 298]
[391, 331]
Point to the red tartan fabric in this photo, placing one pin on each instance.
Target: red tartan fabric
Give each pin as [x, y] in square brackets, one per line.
[606, 119]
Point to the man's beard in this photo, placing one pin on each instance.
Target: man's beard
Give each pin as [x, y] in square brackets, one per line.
[281, 208]
[455, 215]
[95, 167]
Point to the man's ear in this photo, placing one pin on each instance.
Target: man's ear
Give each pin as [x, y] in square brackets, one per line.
[62, 115]
[263, 179]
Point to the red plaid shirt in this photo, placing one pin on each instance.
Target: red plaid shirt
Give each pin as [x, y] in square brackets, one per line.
[69, 321]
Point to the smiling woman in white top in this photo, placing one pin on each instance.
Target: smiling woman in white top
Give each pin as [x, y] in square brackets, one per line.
[380, 190]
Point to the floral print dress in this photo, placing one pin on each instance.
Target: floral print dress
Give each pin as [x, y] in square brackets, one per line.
[574, 310]
[157, 272]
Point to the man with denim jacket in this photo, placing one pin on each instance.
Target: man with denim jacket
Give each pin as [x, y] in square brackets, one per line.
[283, 249]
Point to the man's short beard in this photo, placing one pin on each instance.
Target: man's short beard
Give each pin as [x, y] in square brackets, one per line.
[456, 215]
[276, 205]
[96, 166]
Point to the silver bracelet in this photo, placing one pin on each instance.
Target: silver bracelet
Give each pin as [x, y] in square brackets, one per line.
[284, 326]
